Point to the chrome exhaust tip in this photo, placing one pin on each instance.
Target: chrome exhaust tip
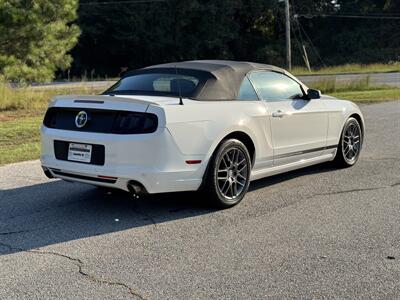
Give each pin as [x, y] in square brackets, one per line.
[136, 188]
[47, 172]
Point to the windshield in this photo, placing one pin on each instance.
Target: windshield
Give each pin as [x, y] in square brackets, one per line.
[163, 84]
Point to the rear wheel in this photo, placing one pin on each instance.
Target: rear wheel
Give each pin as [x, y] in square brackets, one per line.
[228, 175]
[349, 147]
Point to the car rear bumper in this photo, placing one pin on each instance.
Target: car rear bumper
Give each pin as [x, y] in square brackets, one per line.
[150, 160]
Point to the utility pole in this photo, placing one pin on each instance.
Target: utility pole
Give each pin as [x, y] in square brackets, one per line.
[288, 45]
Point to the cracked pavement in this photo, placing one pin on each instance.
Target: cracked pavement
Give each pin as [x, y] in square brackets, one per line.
[319, 232]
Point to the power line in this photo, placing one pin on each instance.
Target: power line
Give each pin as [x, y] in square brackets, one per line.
[311, 42]
[383, 14]
[299, 44]
[120, 2]
[307, 15]
[300, 29]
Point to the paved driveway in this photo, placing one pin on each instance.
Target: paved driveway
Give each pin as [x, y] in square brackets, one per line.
[313, 233]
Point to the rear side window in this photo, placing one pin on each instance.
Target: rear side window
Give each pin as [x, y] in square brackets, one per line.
[247, 91]
[156, 84]
[169, 83]
[273, 86]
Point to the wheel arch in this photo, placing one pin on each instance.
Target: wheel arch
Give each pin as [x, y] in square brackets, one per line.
[245, 139]
[239, 135]
[359, 120]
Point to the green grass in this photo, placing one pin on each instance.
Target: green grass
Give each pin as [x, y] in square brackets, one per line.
[369, 96]
[331, 85]
[21, 113]
[360, 90]
[350, 68]
[35, 99]
[19, 139]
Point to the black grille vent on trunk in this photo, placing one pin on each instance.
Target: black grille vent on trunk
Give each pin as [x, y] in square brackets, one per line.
[101, 120]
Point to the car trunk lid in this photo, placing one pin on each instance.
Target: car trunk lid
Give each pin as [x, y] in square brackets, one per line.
[103, 102]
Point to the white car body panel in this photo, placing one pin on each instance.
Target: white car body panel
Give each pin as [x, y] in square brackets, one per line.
[296, 130]
[193, 131]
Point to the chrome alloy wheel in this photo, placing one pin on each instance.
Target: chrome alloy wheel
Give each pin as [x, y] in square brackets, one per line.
[232, 173]
[351, 142]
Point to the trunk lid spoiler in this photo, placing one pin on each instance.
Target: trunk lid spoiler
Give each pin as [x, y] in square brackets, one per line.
[102, 102]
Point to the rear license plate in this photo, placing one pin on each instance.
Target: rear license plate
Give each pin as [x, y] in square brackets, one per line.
[80, 152]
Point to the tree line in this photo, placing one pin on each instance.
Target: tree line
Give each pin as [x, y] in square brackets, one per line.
[41, 39]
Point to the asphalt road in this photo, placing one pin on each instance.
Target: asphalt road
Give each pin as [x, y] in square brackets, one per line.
[316, 233]
[391, 79]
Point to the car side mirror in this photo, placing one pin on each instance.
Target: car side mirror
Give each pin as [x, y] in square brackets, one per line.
[313, 94]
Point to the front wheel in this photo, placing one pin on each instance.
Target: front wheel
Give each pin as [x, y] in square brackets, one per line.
[228, 176]
[350, 143]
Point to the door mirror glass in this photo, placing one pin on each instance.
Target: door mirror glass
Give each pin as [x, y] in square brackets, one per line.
[313, 94]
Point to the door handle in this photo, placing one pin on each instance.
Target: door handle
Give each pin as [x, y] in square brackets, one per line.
[278, 114]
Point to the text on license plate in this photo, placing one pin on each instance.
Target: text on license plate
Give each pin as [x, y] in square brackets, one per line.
[80, 152]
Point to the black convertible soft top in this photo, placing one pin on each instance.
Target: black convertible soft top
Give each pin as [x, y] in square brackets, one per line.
[225, 77]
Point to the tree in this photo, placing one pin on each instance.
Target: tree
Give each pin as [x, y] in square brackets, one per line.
[131, 34]
[35, 37]
[136, 34]
[346, 36]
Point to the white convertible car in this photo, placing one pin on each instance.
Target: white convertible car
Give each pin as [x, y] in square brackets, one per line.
[210, 126]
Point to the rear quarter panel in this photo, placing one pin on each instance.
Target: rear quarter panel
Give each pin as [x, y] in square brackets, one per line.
[199, 126]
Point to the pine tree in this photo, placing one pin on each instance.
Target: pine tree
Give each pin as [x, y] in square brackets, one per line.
[35, 37]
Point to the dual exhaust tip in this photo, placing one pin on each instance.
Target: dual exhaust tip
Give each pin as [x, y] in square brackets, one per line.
[135, 188]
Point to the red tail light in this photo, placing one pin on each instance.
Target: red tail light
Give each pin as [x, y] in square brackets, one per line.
[193, 162]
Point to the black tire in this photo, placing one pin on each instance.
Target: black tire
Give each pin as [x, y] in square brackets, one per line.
[349, 148]
[236, 177]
